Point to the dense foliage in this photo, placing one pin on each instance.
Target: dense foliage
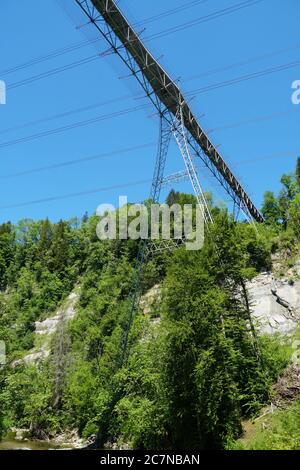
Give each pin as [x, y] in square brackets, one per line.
[190, 378]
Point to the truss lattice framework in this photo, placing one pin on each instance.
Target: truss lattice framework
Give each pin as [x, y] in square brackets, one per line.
[165, 134]
[175, 178]
[152, 247]
[163, 92]
[179, 133]
[146, 248]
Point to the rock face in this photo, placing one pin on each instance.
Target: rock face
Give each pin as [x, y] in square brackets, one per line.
[275, 304]
[49, 325]
[45, 329]
[37, 356]
[150, 302]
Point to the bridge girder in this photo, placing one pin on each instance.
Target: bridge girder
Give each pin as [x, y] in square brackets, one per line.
[164, 93]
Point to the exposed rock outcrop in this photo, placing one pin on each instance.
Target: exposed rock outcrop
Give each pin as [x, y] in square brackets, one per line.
[275, 304]
[49, 326]
[45, 329]
[150, 302]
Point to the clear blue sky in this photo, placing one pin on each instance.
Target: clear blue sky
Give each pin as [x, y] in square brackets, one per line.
[33, 28]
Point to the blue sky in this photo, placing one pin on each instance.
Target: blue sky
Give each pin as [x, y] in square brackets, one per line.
[266, 33]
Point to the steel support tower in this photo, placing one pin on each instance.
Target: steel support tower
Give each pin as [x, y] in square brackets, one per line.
[177, 120]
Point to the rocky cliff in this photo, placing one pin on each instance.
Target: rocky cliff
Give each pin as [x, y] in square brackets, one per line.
[275, 303]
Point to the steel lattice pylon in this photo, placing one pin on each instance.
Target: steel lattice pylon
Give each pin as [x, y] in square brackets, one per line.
[179, 133]
[163, 147]
[146, 248]
[176, 118]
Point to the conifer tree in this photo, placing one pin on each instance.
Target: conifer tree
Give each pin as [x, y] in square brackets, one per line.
[59, 248]
[45, 240]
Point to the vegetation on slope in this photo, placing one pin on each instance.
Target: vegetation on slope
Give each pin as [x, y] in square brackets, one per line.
[277, 427]
[281, 432]
[189, 380]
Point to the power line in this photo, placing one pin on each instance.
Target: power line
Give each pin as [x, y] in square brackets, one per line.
[78, 160]
[261, 118]
[75, 125]
[226, 83]
[255, 75]
[117, 114]
[267, 157]
[79, 45]
[204, 19]
[73, 195]
[124, 97]
[58, 52]
[167, 13]
[51, 55]
[55, 71]
[124, 185]
[140, 147]
[66, 113]
[252, 76]
[200, 90]
[243, 62]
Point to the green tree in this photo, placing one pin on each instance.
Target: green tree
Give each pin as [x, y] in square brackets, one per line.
[270, 209]
[294, 212]
[7, 240]
[45, 237]
[286, 196]
[59, 248]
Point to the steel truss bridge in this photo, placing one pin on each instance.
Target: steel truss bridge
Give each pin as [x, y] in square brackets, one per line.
[176, 120]
[170, 103]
